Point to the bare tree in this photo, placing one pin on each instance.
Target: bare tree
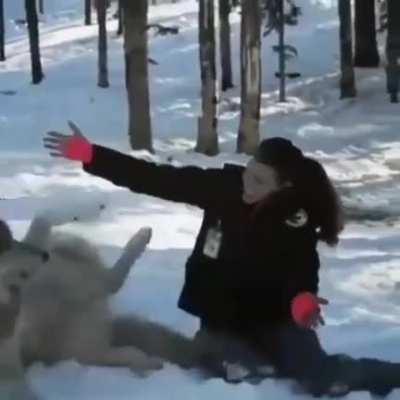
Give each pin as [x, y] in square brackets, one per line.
[347, 81]
[382, 15]
[120, 19]
[88, 12]
[250, 55]
[207, 139]
[2, 33]
[366, 47]
[393, 49]
[225, 44]
[137, 80]
[33, 29]
[101, 8]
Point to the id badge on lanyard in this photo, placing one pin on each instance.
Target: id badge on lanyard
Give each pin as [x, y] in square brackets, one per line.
[213, 241]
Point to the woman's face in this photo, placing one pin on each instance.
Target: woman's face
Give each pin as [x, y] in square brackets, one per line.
[259, 180]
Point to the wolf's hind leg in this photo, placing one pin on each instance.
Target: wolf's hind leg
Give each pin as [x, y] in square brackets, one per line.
[130, 357]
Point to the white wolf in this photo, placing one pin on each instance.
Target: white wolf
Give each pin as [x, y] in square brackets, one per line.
[63, 289]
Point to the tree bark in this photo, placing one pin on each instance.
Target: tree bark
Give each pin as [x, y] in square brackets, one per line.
[225, 43]
[101, 8]
[41, 6]
[88, 12]
[250, 55]
[2, 33]
[33, 29]
[137, 80]
[366, 47]
[393, 50]
[347, 81]
[207, 139]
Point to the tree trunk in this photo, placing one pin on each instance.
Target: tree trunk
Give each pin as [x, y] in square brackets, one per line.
[101, 7]
[207, 139]
[225, 43]
[366, 47]
[41, 6]
[2, 33]
[33, 29]
[120, 19]
[88, 12]
[137, 80]
[393, 50]
[347, 81]
[282, 61]
[250, 55]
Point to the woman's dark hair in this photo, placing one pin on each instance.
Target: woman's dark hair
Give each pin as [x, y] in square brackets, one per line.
[310, 183]
[322, 200]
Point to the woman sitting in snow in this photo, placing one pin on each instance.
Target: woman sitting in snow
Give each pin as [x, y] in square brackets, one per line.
[252, 278]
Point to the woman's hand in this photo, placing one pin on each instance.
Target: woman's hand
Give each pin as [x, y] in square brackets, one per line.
[73, 147]
[306, 310]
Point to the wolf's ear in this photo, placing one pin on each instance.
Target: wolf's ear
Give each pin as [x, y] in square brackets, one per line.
[5, 237]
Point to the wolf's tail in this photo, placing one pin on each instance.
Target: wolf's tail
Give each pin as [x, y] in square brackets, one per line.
[159, 341]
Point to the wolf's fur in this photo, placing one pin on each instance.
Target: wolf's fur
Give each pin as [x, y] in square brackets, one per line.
[64, 312]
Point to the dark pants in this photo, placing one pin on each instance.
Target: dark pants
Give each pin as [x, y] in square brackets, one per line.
[297, 353]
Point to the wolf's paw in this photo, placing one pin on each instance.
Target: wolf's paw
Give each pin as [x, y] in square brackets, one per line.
[137, 244]
[338, 389]
[143, 235]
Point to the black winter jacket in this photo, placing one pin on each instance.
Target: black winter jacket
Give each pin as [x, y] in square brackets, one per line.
[263, 260]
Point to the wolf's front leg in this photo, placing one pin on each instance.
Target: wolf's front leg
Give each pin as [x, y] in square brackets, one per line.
[132, 251]
[40, 229]
[67, 210]
[39, 232]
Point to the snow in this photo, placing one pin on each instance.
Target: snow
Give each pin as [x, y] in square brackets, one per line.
[357, 140]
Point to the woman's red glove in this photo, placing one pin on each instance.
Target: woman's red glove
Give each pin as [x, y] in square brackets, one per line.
[306, 310]
[73, 147]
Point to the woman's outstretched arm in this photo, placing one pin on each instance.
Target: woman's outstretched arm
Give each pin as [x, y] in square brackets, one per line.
[204, 188]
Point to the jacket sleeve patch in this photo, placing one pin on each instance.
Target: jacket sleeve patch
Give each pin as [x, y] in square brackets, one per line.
[297, 220]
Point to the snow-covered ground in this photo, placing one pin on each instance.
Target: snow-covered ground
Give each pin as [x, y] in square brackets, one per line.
[357, 140]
